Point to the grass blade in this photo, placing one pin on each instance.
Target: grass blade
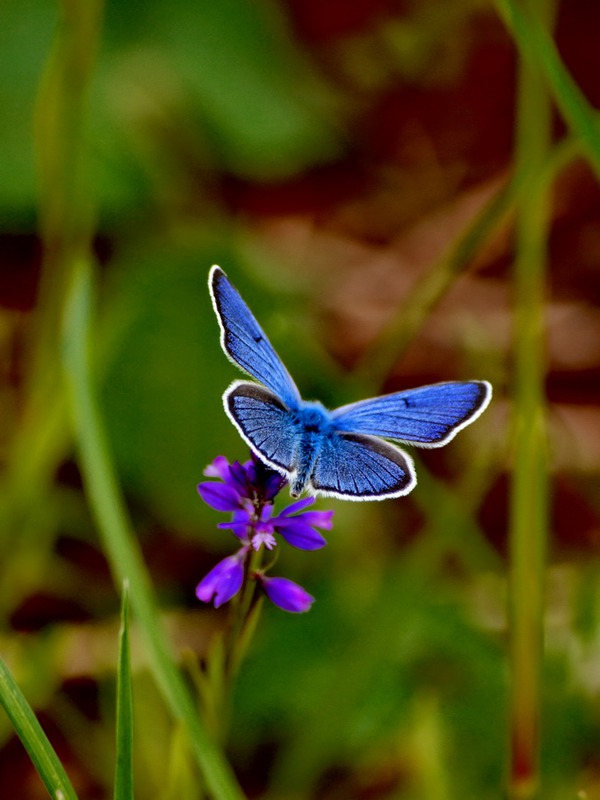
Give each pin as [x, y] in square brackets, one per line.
[537, 46]
[124, 769]
[33, 737]
[118, 539]
[529, 484]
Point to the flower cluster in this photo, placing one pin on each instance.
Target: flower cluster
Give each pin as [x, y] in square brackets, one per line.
[247, 491]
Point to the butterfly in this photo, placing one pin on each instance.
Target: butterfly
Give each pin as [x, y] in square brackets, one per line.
[342, 453]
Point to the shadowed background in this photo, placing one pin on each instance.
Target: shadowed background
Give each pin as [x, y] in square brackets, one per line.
[352, 167]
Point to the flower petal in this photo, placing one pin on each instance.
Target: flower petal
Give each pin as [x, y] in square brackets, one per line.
[297, 506]
[219, 496]
[223, 581]
[251, 474]
[238, 479]
[273, 484]
[267, 481]
[265, 515]
[287, 595]
[219, 468]
[239, 525]
[297, 532]
[320, 519]
[239, 529]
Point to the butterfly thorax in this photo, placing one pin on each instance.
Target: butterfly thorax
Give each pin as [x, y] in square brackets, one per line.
[312, 417]
[313, 423]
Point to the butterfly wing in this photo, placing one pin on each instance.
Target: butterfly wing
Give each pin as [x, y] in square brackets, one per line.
[429, 416]
[353, 466]
[244, 341]
[264, 423]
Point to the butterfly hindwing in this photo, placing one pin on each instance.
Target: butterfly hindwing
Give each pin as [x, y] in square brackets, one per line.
[357, 467]
[264, 422]
[427, 417]
[244, 341]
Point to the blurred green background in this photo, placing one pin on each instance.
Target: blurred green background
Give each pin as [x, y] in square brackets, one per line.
[363, 172]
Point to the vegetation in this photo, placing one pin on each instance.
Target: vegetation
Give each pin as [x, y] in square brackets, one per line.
[404, 194]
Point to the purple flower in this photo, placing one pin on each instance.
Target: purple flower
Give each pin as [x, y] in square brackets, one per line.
[247, 491]
[244, 485]
[223, 581]
[287, 595]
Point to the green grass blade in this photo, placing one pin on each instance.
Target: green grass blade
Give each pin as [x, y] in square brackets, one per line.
[529, 483]
[536, 45]
[33, 737]
[119, 542]
[124, 769]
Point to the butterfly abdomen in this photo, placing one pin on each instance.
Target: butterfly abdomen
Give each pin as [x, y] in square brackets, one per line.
[313, 424]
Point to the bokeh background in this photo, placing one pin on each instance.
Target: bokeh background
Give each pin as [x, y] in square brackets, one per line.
[352, 166]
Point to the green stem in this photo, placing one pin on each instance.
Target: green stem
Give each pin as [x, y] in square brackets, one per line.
[118, 539]
[240, 611]
[228, 651]
[528, 512]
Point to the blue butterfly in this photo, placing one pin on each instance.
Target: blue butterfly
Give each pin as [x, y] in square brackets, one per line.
[341, 453]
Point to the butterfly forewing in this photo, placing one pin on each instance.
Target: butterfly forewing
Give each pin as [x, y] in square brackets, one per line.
[264, 422]
[356, 467]
[245, 342]
[428, 416]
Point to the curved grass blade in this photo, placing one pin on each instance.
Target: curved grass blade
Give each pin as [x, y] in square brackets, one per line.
[34, 739]
[118, 540]
[537, 45]
[529, 482]
[124, 768]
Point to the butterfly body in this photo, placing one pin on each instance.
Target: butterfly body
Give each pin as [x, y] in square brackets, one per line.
[313, 430]
[343, 453]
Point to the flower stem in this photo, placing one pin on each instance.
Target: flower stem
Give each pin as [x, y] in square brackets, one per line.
[240, 612]
[216, 679]
[529, 522]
